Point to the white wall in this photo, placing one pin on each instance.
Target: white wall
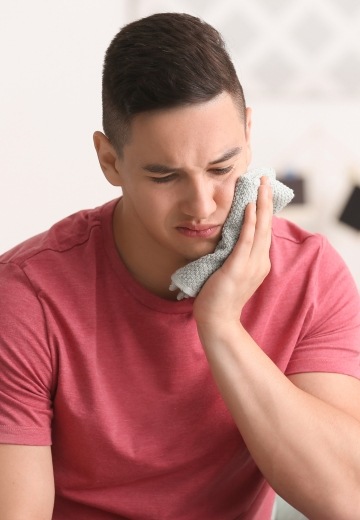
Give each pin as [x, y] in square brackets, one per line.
[51, 55]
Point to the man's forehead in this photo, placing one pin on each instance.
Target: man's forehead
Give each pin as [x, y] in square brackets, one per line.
[213, 130]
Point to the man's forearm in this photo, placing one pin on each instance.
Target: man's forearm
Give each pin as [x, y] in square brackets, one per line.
[307, 450]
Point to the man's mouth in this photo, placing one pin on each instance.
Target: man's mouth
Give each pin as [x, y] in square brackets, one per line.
[200, 231]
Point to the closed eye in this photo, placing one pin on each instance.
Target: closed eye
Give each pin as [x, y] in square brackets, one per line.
[168, 178]
[222, 171]
[163, 179]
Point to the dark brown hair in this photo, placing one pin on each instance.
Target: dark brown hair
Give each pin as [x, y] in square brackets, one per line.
[162, 61]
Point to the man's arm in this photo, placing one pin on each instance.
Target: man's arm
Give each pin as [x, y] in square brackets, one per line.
[304, 438]
[26, 482]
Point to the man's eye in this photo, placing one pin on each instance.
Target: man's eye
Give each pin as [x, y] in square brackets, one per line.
[222, 171]
[160, 180]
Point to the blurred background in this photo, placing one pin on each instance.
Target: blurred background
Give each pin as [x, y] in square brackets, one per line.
[299, 64]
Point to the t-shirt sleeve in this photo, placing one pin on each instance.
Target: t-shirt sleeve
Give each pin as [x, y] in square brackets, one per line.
[26, 381]
[330, 337]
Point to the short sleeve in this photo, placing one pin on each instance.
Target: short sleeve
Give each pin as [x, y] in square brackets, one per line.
[26, 381]
[330, 337]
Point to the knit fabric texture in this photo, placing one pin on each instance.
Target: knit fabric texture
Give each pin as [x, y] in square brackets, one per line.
[190, 278]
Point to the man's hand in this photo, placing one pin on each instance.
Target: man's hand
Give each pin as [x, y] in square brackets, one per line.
[225, 293]
[301, 431]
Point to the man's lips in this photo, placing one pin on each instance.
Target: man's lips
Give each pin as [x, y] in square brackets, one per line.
[200, 231]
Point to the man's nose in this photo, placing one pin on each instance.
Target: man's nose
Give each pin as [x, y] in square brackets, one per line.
[198, 199]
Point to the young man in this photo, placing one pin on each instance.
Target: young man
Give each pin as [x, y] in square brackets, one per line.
[118, 402]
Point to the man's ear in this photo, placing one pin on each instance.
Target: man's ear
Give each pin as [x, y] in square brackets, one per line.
[108, 158]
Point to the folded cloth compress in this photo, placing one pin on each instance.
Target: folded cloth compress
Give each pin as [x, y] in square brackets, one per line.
[190, 278]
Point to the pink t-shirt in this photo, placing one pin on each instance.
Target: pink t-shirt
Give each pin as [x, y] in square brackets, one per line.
[116, 378]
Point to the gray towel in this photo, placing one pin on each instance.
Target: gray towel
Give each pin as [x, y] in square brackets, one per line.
[190, 278]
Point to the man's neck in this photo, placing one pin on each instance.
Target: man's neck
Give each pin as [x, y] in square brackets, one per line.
[148, 263]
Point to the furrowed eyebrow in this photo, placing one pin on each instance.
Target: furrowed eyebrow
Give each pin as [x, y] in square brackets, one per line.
[164, 170]
[227, 155]
[159, 168]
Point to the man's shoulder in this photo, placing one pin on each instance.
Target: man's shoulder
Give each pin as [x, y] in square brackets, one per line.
[71, 232]
[287, 231]
[290, 239]
[296, 252]
[293, 245]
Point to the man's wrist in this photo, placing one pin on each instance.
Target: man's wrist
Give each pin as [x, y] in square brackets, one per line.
[220, 331]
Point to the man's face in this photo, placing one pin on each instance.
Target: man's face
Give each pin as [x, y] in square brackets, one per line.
[178, 173]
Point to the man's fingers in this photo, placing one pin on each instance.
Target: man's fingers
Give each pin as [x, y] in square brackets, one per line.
[247, 234]
[264, 206]
[255, 237]
[264, 213]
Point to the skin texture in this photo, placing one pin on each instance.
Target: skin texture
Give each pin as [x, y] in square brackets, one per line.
[26, 483]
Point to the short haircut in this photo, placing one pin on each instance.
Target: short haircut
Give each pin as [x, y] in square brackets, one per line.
[163, 61]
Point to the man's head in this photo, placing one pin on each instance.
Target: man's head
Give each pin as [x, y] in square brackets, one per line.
[163, 61]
